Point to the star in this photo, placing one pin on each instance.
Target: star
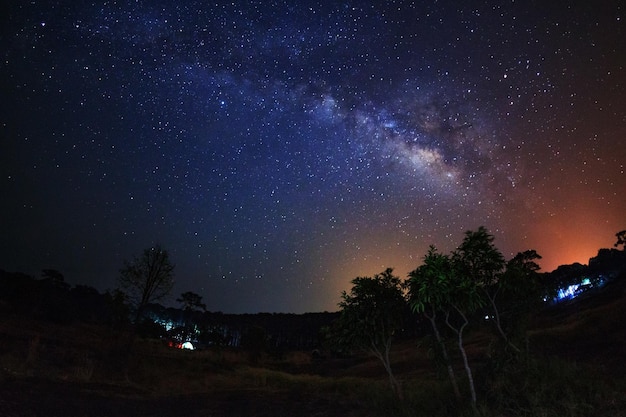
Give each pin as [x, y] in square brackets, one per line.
[277, 151]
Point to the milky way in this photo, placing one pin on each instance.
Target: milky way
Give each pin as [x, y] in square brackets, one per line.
[280, 149]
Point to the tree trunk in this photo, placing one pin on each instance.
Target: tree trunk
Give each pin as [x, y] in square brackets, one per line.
[444, 353]
[394, 382]
[468, 369]
[496, 315]
[396, 387]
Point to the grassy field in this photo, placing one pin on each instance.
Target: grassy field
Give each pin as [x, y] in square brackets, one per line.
[577, 368]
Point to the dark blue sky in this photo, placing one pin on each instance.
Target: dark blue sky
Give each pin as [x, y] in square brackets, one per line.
[279, 149]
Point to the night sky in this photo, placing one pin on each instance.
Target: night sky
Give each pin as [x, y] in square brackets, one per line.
[278, 150]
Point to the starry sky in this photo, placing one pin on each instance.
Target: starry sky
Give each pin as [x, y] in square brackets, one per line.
[279, 149]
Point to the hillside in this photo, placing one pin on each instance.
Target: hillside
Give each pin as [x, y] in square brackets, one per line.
[88, 370]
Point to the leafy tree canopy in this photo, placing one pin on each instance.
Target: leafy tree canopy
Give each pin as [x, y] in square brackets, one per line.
[191, 301]
[373, 310]
[621, 239]
[371, 314]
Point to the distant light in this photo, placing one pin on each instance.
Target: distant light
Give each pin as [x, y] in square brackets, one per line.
[568, 293]
[573, 291]
[187, 345]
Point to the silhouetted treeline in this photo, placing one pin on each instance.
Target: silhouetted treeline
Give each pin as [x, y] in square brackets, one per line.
[51, 298]
[280, 331]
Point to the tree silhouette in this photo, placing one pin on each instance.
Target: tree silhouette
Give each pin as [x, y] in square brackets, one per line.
[621, 239]
[191, 301]
[192, 304]
[54, 279]
[457, 286]
[148, 278]
[429, 292]
[481, 262]
[464, 298]
[520, 293]
[371, 314]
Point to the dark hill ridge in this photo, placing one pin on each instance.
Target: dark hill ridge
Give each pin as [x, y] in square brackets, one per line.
[77, 369]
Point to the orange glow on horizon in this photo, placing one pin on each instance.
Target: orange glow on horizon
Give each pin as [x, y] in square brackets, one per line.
[564, 243]
[566, 256]
[557, 241]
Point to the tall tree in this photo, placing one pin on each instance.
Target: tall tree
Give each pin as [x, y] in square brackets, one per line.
[519, 296]
[191, 301]
[371, 314]
[192, 304]
[473, 277]
[429, 292]
[147, 278]
[480, 261]
[54, 279]
[464, 299]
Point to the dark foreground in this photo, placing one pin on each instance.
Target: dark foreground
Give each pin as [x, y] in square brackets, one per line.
[34, 397]
[577, 370]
